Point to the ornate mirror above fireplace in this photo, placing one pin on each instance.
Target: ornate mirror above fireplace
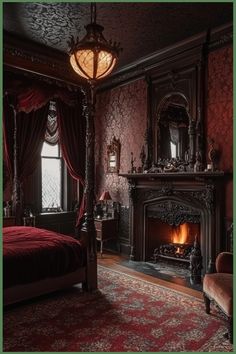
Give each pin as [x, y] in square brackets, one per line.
[176, 112]
[172, 128]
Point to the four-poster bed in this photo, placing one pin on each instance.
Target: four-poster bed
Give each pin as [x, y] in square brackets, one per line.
[92, 58]
[24, 122]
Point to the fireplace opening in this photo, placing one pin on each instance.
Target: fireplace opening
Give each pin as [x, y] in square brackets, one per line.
[170, 241]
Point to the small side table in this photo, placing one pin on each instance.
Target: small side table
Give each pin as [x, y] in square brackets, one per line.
[106, 229]
[29, 221]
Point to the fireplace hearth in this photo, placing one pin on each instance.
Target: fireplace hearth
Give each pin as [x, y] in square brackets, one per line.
[177, 251]
[162, 202]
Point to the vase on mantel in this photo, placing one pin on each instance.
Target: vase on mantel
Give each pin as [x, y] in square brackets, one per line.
[213, 155]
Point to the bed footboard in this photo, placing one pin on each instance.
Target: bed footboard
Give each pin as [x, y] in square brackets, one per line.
[27, 291]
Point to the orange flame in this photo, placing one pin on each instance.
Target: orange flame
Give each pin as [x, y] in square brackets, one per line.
[180, 234]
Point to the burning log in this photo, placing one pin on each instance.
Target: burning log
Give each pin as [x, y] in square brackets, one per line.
[174, 250]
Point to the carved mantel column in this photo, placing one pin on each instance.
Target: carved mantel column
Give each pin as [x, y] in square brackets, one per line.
[132, 194]
[192, 135]
[148, 138]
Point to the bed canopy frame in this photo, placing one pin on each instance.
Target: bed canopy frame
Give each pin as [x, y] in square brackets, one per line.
[88, 232]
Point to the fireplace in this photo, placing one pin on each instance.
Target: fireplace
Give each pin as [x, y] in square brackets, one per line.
[174, 242]
[163, 204]
[171, 230]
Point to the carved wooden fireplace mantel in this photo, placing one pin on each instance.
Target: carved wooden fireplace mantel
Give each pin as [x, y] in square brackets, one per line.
[175, 195]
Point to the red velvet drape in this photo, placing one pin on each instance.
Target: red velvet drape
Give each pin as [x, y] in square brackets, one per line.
[72, 127]
[30, 135]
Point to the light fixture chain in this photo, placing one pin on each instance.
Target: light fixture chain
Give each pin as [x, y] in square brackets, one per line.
[93, 57]
[93, 12]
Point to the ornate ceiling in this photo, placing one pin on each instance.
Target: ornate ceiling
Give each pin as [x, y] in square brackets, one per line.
[142, 28]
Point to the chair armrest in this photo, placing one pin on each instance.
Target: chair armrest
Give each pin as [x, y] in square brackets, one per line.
[224, 262]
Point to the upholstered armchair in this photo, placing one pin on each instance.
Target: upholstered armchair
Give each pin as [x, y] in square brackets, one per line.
[219, 287]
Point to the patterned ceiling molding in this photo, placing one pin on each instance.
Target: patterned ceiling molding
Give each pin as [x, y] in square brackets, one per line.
[52, 63]
[217, 37]
[142, 66]
[34, 58]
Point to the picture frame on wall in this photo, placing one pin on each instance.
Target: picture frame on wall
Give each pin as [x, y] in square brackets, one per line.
[113, 156]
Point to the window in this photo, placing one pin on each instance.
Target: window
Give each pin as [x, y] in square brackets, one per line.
[57, 192]
[51, 163]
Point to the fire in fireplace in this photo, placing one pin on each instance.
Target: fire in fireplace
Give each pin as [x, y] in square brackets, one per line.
[180, 245]
[180, 233]
[170, 241]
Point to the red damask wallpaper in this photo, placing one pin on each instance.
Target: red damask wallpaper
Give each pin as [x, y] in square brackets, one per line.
[219, 119]
[122, 112]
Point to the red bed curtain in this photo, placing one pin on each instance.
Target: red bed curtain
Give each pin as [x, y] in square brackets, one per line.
[72, 128]
[30, 135]
[31, 102]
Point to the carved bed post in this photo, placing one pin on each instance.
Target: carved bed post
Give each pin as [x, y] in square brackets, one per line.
[16, 191]
[88, 228]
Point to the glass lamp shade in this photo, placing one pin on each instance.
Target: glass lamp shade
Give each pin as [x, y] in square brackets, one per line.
[92, 64]
[93, 57]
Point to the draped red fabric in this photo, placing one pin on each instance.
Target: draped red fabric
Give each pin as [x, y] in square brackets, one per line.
[30, 136]
[32, 100]
[72, 128]
[36, 97]
[33, 94]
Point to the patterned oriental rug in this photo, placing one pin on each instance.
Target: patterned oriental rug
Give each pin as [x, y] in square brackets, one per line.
[124, 315]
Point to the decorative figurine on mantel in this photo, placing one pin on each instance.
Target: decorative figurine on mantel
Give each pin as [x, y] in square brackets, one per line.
[198, 164]
[213, 155]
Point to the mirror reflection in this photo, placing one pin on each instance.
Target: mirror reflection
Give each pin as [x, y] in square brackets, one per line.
[173, 125]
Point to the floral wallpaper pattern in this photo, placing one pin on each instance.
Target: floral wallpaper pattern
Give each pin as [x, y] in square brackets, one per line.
[219, 119]
[122, 112]
[220, 104]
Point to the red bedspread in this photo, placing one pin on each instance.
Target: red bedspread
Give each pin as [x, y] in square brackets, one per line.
[31, 254]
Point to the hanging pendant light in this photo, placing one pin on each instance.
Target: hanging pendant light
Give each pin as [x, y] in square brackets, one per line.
[93, 57]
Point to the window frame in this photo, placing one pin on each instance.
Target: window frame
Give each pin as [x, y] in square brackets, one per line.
[62, 172]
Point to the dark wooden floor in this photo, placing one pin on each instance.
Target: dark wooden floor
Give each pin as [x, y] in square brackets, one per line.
[114, 261]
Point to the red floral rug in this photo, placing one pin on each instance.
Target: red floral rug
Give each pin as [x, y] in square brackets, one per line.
[124, 315]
